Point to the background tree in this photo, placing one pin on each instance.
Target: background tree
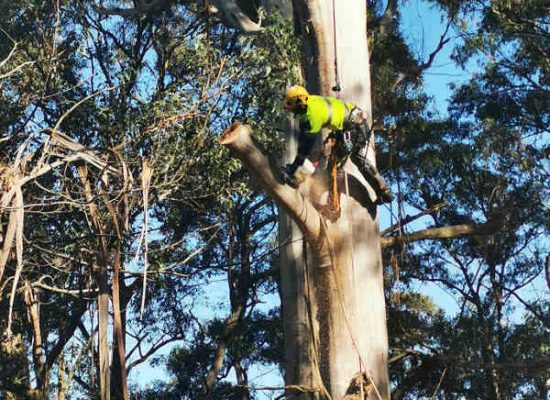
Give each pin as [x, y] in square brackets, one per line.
[136, 99]
[484, 163]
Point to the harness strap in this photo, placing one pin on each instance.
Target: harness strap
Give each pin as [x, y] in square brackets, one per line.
[349, 113]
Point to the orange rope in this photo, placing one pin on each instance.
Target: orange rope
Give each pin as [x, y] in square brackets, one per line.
[334, 197]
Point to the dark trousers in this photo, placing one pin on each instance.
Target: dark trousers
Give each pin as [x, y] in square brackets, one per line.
[360, 136]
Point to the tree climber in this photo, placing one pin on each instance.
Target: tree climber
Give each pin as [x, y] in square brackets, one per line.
[348, 125]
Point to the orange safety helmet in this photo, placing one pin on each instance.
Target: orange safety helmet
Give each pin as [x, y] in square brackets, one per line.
[295, 98]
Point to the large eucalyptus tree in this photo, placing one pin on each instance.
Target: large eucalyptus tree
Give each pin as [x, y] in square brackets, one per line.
[141, 90]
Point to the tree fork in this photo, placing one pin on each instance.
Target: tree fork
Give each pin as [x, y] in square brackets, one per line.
[238, 139]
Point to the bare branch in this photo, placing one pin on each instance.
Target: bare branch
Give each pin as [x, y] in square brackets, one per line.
[446, 232]
[409, 219]
[146, 174]
[545, 320]
[547, 270]
[15, 69]
[297, 388]
[537, 364]
[19, 218]
[76, 105]
[233, 17]
[73, 292]
[230, 328]
[443, 40]
[157, 346]
[142, 7]
[417, 70]
[237, 138]
[63, 141]
[228, 10]
[388, 16]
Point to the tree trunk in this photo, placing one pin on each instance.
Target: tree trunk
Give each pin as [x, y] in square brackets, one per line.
[348, 297]
[331, 272]
[119, 373]
[103, 345]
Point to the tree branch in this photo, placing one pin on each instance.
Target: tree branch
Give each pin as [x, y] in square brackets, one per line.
[233, 17]
[537, 364]
[141, 7]
[228, 10]
[237, 138]
[77, 293]
[446, 232]
[387, 17]
[16, 68]
[154, 348]
[412, 218]
[417, 70]
[547, 270]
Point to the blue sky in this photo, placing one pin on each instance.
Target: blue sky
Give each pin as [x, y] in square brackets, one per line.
[423, 26]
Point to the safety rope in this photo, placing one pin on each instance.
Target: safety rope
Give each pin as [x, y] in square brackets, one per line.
[334, 197]
[337, 88]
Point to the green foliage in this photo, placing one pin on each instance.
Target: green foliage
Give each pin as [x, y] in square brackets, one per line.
[161, 89]
[486, 163]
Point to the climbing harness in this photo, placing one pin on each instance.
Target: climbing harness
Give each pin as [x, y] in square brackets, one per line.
[334, 194]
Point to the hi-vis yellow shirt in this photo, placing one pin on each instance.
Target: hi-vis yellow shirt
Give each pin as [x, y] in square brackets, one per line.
[320, 114]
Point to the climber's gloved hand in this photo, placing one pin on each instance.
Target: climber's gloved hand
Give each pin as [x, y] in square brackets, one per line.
[290, 169]
[288, 175]
[295, 174]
